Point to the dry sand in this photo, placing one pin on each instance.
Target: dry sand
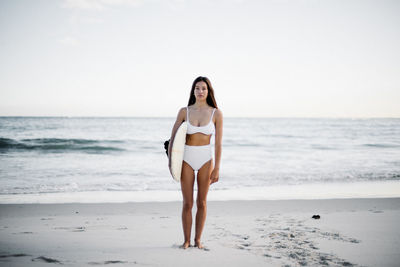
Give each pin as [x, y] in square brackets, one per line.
[350, 232]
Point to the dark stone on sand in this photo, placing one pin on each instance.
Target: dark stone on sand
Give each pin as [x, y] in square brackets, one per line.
[316, 217]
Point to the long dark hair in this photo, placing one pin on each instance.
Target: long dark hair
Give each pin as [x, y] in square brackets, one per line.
[210, 96]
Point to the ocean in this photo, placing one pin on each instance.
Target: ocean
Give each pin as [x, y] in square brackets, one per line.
[122, 159]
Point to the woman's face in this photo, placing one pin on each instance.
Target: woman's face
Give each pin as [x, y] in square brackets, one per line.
[201, 91]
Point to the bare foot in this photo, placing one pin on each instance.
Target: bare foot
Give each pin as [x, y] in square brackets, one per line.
[185, 245]
[198, 244]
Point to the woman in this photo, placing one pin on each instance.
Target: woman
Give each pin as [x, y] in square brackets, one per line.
[203, 119]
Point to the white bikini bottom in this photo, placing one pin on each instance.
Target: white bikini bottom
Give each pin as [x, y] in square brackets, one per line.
[197, 156]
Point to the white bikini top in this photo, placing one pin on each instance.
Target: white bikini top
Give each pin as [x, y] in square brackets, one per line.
[208, 129]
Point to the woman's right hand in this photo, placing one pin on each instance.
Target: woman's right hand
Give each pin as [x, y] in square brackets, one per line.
[214, 177]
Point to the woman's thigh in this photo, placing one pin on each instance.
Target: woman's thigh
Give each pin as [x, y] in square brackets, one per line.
[203, 180]
[187, 182]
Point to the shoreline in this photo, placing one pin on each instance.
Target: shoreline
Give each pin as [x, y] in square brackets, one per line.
[245, 206]
[350, 232]
[349, 190]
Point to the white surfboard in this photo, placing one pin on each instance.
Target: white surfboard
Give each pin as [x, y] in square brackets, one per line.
[177, 151]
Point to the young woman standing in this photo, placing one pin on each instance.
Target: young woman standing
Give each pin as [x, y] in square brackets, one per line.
[203, 120]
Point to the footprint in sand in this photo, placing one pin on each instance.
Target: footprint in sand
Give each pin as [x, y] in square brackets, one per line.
[72, 229]
[290, 240]
[14, 255]
[46, 259]
[337, 236]
[108, 262]
[22, 233]
[375, 211]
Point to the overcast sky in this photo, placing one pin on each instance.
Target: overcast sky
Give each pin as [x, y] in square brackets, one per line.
[139, 57]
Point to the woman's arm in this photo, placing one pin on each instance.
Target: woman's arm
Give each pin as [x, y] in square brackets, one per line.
[179, 119]
[218, 145]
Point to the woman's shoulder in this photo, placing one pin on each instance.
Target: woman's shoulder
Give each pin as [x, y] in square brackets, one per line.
[182, 112]
[218, 115]
[182, 109]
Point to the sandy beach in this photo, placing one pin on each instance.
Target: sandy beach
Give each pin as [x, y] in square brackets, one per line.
[350, 232]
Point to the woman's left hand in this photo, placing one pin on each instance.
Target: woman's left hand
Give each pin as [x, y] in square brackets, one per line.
[214, 175]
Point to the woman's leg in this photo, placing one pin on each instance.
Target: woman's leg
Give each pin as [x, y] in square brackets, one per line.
[187, 182]
[203, 184]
